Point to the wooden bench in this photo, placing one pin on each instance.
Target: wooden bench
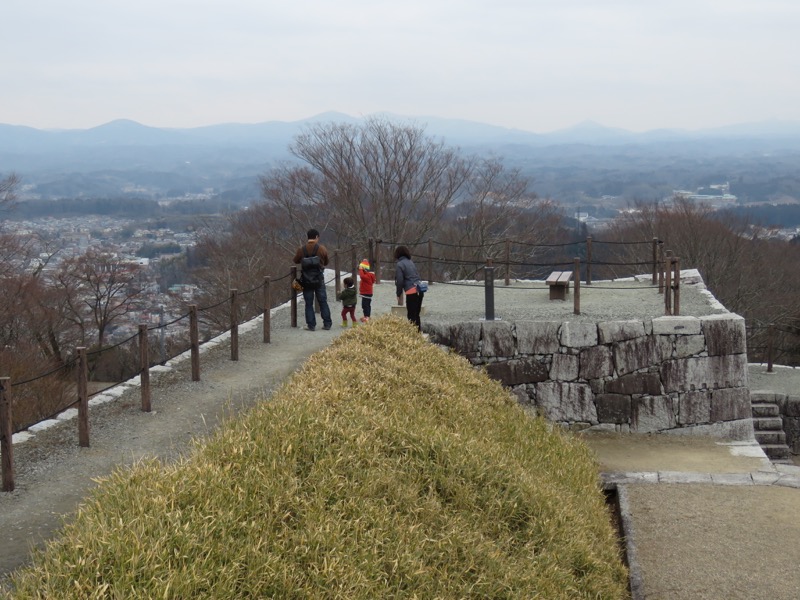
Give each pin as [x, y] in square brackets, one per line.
[559, 284]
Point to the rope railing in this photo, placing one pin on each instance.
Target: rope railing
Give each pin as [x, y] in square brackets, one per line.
[140, 339]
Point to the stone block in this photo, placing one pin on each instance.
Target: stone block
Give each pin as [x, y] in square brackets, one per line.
[666, 346]
[537, 337]
[565, 367]
[466, 338]
[497, 339]
[791, 406]
[440, 333]
[520, 392]
[635, 354]
[635, 383]
[569, 402]
[613, 408]
[676, 326]
[689, 345]
[688, 374]
[725, 334]
[694, 408]
[730, 404]
[652, 413]
[578, 334]
[618, 331]
[791, 426]
[596, 362]
[517, 371]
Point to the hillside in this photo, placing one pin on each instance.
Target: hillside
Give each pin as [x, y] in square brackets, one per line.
[579, 165]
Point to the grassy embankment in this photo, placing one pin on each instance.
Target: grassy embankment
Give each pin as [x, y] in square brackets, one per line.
[384, 468]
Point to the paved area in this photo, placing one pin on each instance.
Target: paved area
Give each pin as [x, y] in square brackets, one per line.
[704, 519]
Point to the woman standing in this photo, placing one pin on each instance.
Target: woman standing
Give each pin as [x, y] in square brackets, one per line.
[406, 278]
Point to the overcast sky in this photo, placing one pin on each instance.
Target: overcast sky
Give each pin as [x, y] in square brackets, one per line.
[537, 65]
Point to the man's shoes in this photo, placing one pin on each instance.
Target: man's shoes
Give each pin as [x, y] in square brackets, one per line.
[309, 328]
[326, 327]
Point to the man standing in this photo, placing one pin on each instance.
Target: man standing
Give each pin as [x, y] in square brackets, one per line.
[313, 258]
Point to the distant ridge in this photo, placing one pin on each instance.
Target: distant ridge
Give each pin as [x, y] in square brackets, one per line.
[125, 132]
[124, 158]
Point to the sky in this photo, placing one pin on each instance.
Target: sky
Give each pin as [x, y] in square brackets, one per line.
[535, 65]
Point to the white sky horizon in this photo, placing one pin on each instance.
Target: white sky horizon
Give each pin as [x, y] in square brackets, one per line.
[534, 65]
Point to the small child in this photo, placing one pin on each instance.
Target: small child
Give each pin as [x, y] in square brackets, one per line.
[367, 281]
[349, 298]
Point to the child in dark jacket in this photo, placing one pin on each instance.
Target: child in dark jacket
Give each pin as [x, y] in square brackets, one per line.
[366, 282]
[349, 299]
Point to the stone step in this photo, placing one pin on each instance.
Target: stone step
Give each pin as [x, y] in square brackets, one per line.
[771, 437]
[767, 423]
[776, 452]
[765, 409]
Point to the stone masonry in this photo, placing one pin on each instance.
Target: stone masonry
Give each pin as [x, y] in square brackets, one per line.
[665, 374]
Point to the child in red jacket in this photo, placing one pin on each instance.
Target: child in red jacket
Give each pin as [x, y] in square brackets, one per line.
[366, 281]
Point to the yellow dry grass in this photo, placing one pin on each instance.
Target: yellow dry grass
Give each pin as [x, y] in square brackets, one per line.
[384, 468]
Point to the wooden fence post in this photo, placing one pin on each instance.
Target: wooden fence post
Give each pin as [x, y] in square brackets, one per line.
[655, 260]
[293, 296]
[267, 311]
[6, 436]
[144, 367]
[676, 286]
[83, 398]
[337, 281]
[194, 337]
[371, 252]
[234, 324]
[661, 268]
[588, 261]
[668, 283]
[430, 262]
[576, 296]
[770, 347]
[376, 266]
[507, 281]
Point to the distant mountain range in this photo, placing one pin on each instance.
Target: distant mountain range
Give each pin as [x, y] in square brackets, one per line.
[125, 158]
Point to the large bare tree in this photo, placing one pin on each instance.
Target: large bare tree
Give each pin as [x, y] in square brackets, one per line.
[374, 179]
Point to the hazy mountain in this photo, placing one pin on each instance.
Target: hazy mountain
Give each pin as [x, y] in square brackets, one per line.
[156, 162]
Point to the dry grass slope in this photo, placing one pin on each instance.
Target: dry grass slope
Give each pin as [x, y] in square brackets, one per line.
[384, 468]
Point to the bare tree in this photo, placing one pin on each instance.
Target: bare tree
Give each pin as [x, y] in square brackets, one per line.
[99, 287]
[498, 207]
[378, 179]
[238, 255]
[8, 188]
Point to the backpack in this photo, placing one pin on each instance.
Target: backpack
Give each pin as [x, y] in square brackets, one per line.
[311, 269]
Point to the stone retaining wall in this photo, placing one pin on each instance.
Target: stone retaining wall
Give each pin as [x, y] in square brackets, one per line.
[789, 406]
[666, 374]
